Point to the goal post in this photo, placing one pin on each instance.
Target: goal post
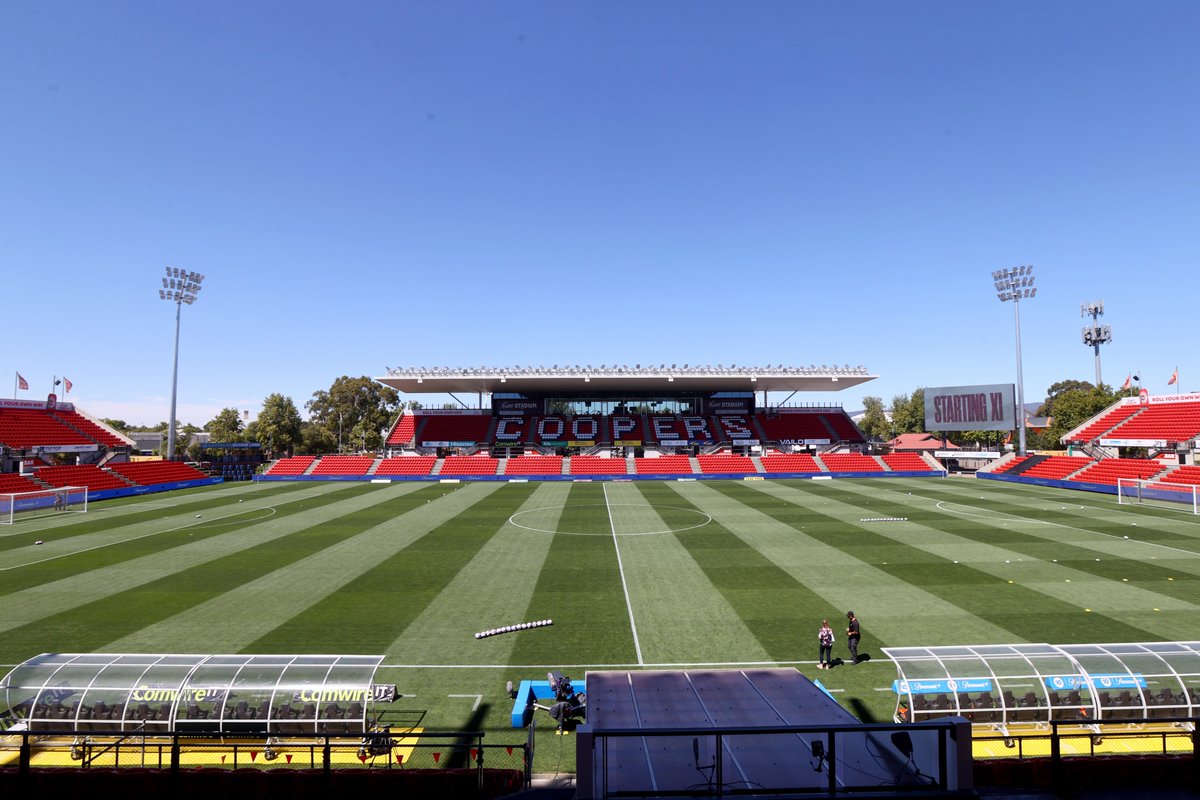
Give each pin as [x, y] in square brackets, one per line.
[16, 506]
[1163, 494]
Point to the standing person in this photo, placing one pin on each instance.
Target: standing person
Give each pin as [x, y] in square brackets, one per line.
[852, 636]
[825, 639]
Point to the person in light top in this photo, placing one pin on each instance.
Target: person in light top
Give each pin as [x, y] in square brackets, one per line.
[825, 640]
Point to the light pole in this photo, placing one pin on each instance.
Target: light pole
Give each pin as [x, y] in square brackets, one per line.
[1016, 284]
[1097, 334]
[179, 287]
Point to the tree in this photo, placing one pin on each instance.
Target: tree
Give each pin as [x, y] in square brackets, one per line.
[119, 425]
[908, 412]
[355, 404]
[226, 426]
[1072, 407]
[317, 439]
[278, 425]
[875, 422]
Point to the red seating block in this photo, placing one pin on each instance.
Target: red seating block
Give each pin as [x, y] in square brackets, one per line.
[790, 462]
[150, 472]
[296, 465]
[597, 465]
[406, 465]
[723, 463]
[850, 462]
[906, 462]
[663, 465]
[343, 465]
[87, 475]
[469, 465]
[534, 465]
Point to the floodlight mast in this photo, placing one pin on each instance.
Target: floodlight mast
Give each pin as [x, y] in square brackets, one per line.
[179, 287]
[1097, 334]
[1014, 285]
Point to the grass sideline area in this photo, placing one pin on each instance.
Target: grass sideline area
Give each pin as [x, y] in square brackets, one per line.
[669, 574]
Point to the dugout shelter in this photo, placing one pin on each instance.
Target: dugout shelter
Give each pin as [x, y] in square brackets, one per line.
[215, 695]
[1002, 686]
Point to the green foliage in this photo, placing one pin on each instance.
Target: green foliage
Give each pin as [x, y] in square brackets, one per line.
[317, 439]
[361, 408]
[118, 425]
[226, 426]
[277, 428]
[875, 423]
[1072, 407]
[908, 412]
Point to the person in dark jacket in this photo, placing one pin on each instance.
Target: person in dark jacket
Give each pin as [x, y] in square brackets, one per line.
[852, 636]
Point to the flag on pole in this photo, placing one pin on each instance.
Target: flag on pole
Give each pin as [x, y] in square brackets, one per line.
[1174, 377]
[67, 383]
[22, 383]
[1126, 384]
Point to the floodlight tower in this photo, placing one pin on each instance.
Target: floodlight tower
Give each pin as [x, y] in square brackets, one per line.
[179, 287]
[1096, 334]
[1016, 284]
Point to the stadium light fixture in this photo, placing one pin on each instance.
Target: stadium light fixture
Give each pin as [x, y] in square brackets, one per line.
[1095, 334]
[1015, 285]
[179, 287]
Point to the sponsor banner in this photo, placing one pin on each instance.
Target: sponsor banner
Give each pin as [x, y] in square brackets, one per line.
[65, 448]
[39, 405]
[627, 443]
[1133, 442]
[451, 412]
[948, 686]
[1098, 680]
[965, 454]
[581, 443]
[742, 442]
[729, 405]
[804, 441]
[684, 442]
[553, 443]
[447, 444]
[169, 694]
[986, 407]
[345, 694]
[519, 407]
[1190, 397]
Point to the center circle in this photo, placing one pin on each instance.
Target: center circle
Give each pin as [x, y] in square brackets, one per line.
[532, 525]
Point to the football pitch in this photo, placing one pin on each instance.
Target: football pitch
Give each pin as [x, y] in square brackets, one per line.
[671, 574]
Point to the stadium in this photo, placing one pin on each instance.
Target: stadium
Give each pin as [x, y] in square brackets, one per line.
[612, 573]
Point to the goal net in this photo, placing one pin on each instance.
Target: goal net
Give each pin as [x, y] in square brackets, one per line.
[60, 500]
[1134, 491]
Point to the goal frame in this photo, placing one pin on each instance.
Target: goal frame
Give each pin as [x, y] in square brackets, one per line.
[57, 499]
[1137, 491]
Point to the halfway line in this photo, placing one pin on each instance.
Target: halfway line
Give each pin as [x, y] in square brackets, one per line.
[637, 645]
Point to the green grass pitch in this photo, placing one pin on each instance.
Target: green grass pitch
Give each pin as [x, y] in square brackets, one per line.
[634, 574]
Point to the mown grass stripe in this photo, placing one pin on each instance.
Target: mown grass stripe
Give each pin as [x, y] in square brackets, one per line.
[494, 588]
[1033, 548]
[974, 590]
[783, 534]
[364, 607]
[679, 611]
[116, 543]
[72, 591]
[125, 614]
[102, 516]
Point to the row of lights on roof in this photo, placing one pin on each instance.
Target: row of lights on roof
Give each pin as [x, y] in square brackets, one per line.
[639, 369]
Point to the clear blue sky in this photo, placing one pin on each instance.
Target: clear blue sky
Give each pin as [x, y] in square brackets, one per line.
[404, 184]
